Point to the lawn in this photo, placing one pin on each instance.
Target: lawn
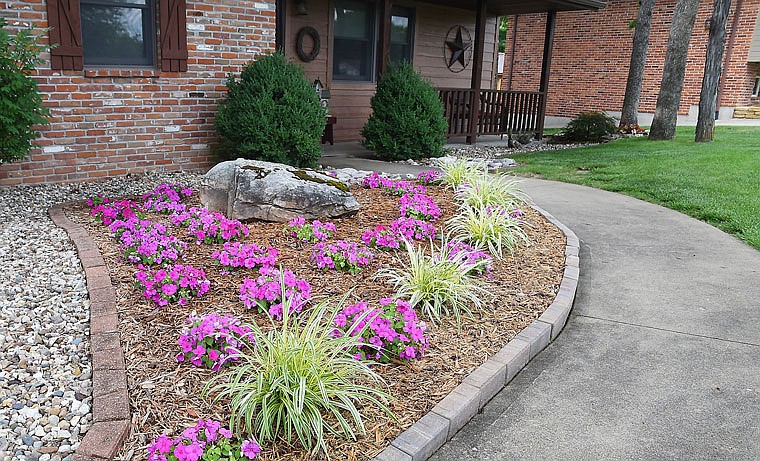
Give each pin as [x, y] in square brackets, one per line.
[716, 182]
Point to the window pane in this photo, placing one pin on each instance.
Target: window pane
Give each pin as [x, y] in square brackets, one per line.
[352, 59]
[351, 20]
[116, 35]
[402, 33]
[399, 29]
[353, 40]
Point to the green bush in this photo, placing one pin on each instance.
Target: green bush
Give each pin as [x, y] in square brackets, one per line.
[271, 113]
[407, 120]
[593, 126]
[20, 100]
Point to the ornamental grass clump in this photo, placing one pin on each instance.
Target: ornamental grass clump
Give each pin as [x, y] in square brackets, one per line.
[211, 341]
[491, 191]
[394, 332]
[235, 255]
[489, 227]
[209, 226]
[265, 292]
[171, 284]
[341, 256]
[300, 382]
[316, 231]
[437, 283]
[459, 172]
[206, 441]
[481, 261]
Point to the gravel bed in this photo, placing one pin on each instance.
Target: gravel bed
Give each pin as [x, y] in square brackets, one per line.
[45, 370]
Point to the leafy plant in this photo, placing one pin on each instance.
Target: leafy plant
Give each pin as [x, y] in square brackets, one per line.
[341, 256]
[211, 340]
[271, 113]
[207, 441]
[461, 171]
[20, 99]
[300, 381]
[592, 126]
[317, 231]
[437, 283]
[490, 227]
[491, 190]
[407, 120]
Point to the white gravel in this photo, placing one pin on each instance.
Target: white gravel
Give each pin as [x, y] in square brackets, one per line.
[45, 372]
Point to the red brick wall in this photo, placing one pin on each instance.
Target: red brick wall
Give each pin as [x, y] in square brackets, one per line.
[108, 122]
[592, 52]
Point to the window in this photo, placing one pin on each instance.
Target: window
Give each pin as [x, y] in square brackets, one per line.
[402, 34]
[354, 40]
[118, 32]
[756, 90]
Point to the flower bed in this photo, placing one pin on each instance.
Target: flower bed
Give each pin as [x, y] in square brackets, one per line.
[166, 394]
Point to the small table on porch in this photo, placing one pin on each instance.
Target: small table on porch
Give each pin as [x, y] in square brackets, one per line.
[327, 135]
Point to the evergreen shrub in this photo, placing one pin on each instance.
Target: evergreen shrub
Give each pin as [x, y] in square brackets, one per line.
[20, 100]
[271, 113]
[592, 126]
[407, 120]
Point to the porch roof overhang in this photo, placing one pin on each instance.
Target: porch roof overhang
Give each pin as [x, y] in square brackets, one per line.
[509, 7]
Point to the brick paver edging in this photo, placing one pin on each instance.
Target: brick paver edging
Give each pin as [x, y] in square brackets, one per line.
[427, 435]
[110, 399]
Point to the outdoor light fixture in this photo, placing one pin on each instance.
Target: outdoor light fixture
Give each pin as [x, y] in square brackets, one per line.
[301, 8]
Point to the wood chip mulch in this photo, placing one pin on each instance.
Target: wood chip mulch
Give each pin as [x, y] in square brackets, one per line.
[165, 395]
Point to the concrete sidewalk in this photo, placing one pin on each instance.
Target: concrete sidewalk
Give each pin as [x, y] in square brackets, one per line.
[661, 356]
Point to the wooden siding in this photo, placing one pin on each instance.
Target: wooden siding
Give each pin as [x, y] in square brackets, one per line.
[350, 101]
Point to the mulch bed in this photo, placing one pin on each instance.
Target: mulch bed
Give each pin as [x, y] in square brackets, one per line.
[165, 395]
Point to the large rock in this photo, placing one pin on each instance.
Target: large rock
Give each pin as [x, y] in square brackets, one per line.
[250, 189]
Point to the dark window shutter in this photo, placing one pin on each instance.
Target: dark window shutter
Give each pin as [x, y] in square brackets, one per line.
[173, 24]
[65, 34]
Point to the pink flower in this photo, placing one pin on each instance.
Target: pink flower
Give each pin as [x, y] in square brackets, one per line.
[250, 449]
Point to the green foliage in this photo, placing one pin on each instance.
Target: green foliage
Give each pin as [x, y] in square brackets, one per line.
[407, 120]
[271, 113]
[20, 100]
[486, 227]
[460, 171]
[503, 27]
[299, 382]
[494, 190]
[437, 283]
[592, 126]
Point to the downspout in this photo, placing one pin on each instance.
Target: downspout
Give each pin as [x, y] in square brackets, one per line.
[727, 60]
[512, 54]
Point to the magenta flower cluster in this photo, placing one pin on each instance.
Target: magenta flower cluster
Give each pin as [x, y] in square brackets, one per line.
[166, 198]
[235, 255]
[175, 283]
[147, 242]
[400, 229]
[206, 440]
[208, 226]
[463, 253]
[212, 340]
[317, 231]
[265, 292]
[419, 206]
[341, 256]
[429, 176]
[393, 333]
[376, 181]
[107, 211]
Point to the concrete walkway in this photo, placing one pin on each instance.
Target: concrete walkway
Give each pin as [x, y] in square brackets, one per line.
[660, 358]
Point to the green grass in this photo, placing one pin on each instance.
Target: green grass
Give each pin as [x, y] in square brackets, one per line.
[716, 182]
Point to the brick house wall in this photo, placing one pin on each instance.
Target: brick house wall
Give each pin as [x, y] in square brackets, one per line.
[592, 52]
[112, 121]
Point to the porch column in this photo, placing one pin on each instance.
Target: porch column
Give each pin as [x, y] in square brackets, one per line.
[477, 70]
[546, 63]
[384, 42]
[279, 25]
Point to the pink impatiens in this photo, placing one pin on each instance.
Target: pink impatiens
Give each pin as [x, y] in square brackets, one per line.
[317, 231]
[212, 340]
[341, 255]
[237, 255]
[206, 438]
[209, 227]
[265, 292]
[177, 283]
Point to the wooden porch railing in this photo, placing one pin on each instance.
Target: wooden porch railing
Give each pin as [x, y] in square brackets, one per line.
[498, 111]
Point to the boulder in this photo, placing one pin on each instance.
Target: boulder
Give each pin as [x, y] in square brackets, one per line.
[251, 189]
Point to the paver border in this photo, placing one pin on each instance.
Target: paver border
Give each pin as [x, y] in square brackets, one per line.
[111, 419]
[427, 435]
[110, 398]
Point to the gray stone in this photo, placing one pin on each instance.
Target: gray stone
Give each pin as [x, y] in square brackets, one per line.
[250, 189]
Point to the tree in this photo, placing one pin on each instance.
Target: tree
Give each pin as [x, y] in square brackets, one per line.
[629, 115]
[713, 60]
[669, 98]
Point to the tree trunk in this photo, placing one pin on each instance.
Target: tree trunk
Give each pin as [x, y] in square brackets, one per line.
[630, 112]
[713, 63]
[666, 111]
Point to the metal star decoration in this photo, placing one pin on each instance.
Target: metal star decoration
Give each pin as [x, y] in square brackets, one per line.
[458, 47]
